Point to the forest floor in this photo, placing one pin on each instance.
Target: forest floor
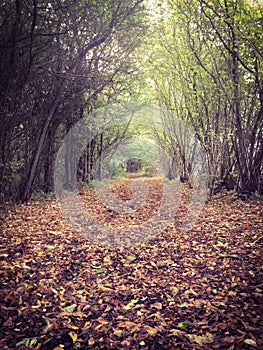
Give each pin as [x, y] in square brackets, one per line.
[200, 289]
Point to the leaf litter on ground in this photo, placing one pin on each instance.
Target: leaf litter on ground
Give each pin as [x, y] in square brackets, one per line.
[200, 289]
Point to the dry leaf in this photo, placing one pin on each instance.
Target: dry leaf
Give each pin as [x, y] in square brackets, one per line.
[250, 342]
[73, 336]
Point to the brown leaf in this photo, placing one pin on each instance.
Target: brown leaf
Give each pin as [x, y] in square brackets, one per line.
[8, 322]
[101, 320]
[127, 324]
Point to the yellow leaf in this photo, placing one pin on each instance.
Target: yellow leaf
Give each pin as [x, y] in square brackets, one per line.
[107, 309]
[174, 290]
[130, 304]
[73, 336]
[51, 246]
[201, 339]
[71, 326]
[107, 260]
[175, 331]
[209, 338]
[126, 307]
[118, 332]
[150, 330]
[36, 306]
[250, 342]
[232, 293]
[104, 287]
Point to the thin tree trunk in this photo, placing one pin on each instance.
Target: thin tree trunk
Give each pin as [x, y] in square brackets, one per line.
[27, 189]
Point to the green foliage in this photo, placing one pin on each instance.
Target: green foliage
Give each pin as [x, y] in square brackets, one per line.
[28, 342]
[97, 183]
[10, 178]
[149, 169]
[118, 173]
[205, 66]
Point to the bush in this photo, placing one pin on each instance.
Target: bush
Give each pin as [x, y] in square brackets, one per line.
[118, 173]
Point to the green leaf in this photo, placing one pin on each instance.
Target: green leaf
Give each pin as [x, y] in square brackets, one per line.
[70, 308]
[101, 270]
[184, 324]
[224, 255]
[27, 342]
[131, 258]
[185, 304]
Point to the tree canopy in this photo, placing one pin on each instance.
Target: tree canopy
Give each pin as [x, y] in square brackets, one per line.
[200, 60]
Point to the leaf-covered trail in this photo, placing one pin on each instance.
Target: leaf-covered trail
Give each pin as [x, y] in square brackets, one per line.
[196, 290]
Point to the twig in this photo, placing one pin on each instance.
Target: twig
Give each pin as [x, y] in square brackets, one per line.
[257, 240]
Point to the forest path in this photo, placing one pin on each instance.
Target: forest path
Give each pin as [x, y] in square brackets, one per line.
[200, 289]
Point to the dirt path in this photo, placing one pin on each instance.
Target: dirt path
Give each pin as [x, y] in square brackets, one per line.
[196, 290]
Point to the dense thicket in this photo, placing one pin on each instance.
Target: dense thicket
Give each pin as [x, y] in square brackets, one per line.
[206, 67]
[58, 60]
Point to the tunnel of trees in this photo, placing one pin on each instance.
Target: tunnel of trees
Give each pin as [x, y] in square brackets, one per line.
[134, 165]
[201, 60]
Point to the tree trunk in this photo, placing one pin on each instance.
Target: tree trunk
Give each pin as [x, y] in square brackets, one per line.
[27, 188]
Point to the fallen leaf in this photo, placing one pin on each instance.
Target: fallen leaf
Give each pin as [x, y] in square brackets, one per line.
[250, 342]
[71, 326]
[157, 306]
[70, 308]
[185, 304]
[127, 324]
[107, 260]
[99, 271]
[73, 336]
[184, 324]
[29, 342]
[101, 320]
[174, 290]
[118, 332]
[131, 258]
[150, 330]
